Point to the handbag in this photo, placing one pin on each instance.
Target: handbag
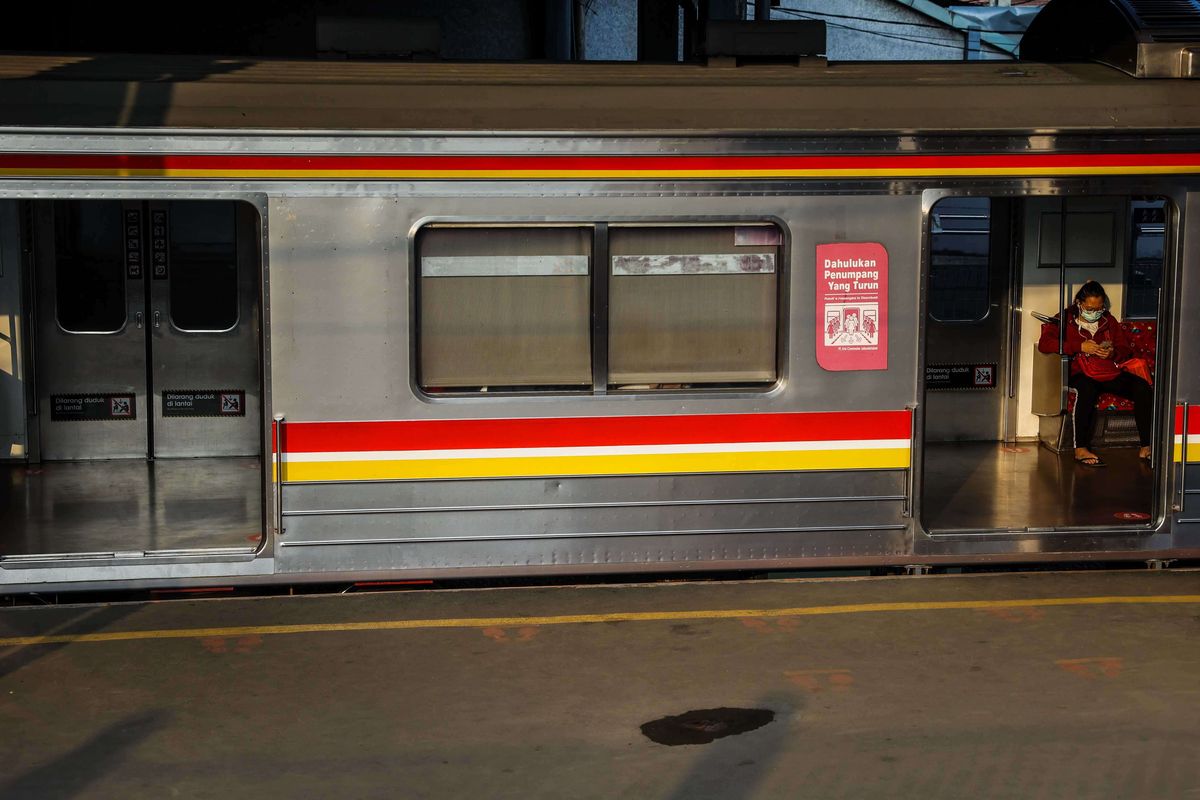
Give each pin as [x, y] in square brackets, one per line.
[1138, 366]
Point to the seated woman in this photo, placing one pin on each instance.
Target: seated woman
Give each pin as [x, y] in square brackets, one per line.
[1098, 346]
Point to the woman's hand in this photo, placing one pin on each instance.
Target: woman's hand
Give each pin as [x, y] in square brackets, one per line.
[1094, 348]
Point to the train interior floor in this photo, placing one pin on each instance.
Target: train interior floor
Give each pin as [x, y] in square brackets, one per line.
[993, 486]
[130, 505]
[1026, 686]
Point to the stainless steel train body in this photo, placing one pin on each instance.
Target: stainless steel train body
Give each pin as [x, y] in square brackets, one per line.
[381, 218]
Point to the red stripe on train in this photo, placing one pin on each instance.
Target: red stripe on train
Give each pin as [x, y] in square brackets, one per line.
[586, 163]
[1193, 421]
[471, 434]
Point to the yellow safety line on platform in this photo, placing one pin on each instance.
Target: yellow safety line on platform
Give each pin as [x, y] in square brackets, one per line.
[578, 619]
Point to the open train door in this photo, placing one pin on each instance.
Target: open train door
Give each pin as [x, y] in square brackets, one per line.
[999, 439]
[1185, 480]
[145, 388]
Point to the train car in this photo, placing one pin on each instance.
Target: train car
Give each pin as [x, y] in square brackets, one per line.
[270, 321]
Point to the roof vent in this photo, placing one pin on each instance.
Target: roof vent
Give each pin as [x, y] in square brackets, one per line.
[1145, 38]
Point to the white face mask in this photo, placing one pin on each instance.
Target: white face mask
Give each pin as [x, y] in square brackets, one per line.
[1091, 316]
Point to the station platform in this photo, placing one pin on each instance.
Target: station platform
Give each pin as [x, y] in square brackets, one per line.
[1024, 685]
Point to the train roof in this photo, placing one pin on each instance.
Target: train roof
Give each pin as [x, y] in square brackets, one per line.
[812, 98]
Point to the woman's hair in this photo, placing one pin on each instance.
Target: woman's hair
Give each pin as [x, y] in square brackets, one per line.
[1092, 289]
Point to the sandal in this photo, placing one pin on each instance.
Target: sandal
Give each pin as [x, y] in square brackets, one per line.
[1090, 461]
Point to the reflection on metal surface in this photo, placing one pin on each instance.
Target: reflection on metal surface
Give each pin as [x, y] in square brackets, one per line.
[981, 487]
[520, 535]
[747, 501]
[132, 506]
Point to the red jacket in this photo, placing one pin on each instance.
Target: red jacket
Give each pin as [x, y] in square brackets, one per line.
[1097, 367]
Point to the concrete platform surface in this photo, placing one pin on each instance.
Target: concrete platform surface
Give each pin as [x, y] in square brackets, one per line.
[1038, 685]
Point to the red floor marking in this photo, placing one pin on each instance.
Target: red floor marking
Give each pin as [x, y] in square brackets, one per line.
[519, 634]
[820, 680]
[1139, 516]
[393, 583]
[1092, 668]
[1016, 614]
[220, 644]
[1015, 449]
[247, 643]
[776, 625]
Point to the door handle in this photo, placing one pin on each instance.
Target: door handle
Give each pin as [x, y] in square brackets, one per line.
[158, 319]
[138, 319]
[1183, 459]
[277, 444]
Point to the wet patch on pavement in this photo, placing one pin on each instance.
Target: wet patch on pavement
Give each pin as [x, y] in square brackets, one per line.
[706, 725]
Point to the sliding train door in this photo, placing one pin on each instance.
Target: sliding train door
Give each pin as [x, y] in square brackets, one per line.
[203, 327]
[91, 333]
[147, 329]
[967, 375]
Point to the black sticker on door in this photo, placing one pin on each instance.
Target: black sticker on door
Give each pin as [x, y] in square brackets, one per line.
[92, 407]
[960, 376]
[204, 403]
[160, 244]
[133, 244]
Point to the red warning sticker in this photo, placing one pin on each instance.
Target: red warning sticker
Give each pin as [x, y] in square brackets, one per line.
[852, 306]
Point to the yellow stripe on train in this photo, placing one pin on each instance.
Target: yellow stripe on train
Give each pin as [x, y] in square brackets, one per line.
[543, 466]
[1193, 452]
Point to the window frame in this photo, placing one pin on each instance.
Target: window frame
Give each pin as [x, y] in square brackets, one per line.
[416, 330]
[987, 283]
[599, 289]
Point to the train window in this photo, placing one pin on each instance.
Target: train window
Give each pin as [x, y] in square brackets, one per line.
[959, 272]
[693, 306]
[203, 265]
[1148, 234]
[89, 266]
[504, 308]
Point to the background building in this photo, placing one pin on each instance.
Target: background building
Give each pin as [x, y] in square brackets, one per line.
[511, 30]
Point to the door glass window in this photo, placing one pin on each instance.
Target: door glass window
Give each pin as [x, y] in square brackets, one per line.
[203, 265]
[959, 263]
[693, 306]
[1149, 235]
[89, 249]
